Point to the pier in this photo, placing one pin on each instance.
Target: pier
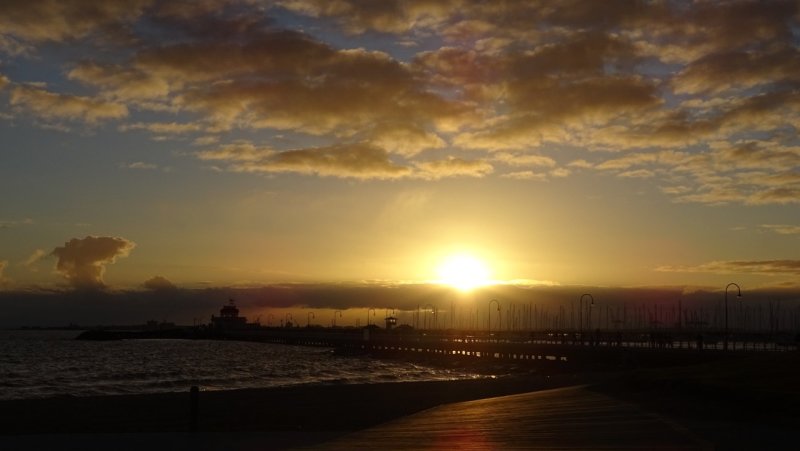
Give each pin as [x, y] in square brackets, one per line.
[543, 349]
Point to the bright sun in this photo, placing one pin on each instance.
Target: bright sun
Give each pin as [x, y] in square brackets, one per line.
[463, 272]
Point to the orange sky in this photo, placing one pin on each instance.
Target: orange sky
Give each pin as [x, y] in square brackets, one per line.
[226, 143]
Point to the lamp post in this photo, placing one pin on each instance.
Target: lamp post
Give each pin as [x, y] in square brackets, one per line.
[738, 296]
[580, 312]
[288, 318]
[308, 318]
[373, 314]
[499, 315]
[334, 316]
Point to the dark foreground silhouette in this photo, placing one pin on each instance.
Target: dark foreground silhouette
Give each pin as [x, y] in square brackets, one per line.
[745, 403]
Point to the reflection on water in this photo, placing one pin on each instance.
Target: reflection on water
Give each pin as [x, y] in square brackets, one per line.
[50, 363]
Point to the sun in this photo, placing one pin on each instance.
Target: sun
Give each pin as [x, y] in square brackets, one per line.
[464, 272]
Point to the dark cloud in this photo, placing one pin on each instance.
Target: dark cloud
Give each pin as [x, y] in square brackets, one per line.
[695, 89]
[185, 306]
[157, 283]
[392, 16]
[4, 281]
[766, 267]
[358, 161]
[54, 20]
[82, 261]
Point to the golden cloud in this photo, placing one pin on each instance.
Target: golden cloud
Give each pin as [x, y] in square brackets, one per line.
[392, 16]
[123, 83]
[50, 105]
[55, 20]
[359, 161]
[453, 167]
[82, 261]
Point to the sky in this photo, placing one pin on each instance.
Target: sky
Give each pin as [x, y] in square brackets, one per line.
[223, 144]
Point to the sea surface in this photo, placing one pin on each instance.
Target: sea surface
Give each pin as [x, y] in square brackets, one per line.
[37, 364]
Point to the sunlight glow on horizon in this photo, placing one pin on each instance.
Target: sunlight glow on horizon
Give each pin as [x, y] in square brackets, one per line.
[464, 272]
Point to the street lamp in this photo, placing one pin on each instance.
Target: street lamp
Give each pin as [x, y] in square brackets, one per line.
[334, 316]
[308, 318]
[499, 315]
[738, 296]
[373, 314]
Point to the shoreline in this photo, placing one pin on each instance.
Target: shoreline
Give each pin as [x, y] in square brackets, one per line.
[320, 412]
[755, 396]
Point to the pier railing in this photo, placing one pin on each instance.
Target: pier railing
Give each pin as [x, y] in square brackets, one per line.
[542, 348]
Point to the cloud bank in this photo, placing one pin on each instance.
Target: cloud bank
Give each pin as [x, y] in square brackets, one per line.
[701, 98]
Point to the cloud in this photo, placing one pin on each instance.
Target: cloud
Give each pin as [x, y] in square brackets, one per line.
[453, 167]
[704, 95]
[54, 20]
[4, 81]
[391, 16]
[16, 223]
[119, 82]
[782, 229]
[4, 281]
[82, 261]
[34, 258]
[764, 267]
[49, 105]
[241, 151]
[141, 165]
[359, 161]
[746, 172]
[163, 128]
[404, 139]
[526, 175]
[529, 160]
[157, 283]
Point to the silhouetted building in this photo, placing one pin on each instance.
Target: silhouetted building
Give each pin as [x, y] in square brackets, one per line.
[229, 318]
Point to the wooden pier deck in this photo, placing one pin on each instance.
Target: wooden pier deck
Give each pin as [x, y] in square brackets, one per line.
[565, 419]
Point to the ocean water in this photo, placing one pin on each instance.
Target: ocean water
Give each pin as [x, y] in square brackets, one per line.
[36, 364]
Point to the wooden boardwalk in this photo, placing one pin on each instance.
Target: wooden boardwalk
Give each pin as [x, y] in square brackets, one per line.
[567, 418]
